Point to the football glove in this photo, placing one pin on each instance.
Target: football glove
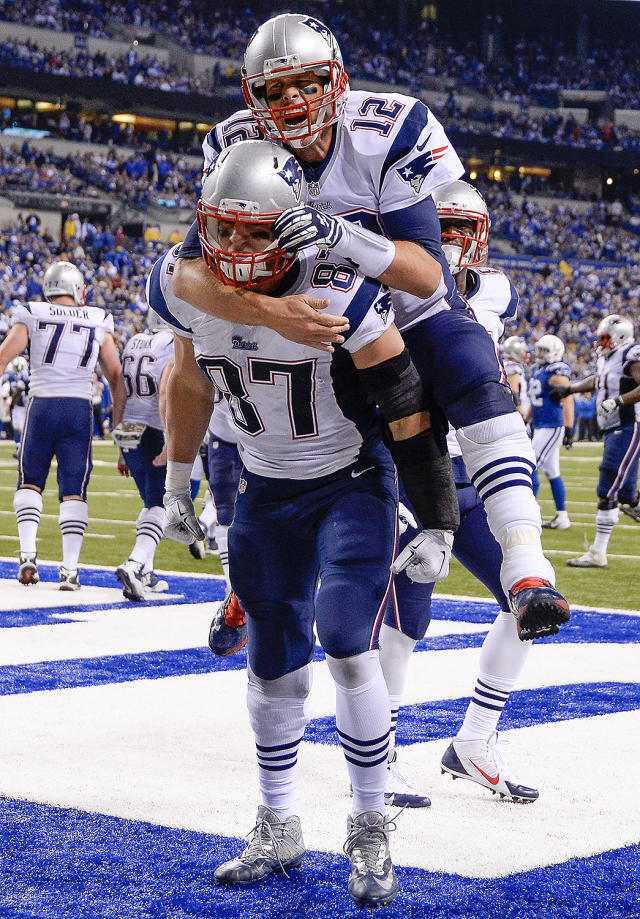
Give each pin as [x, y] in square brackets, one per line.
[426, 558]
[558, 393]
[302, 226]
[181, 523]
[405, 519]
[567, 440]
[609, 406]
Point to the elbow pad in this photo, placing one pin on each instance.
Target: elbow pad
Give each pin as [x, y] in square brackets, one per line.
[396, 387]
[424, 466]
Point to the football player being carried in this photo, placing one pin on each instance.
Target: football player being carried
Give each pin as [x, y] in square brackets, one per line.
[146, 363]
[66, 338]
[372, 162]
[313, 532]
[474, 753]
[552, 423]
[617, 387]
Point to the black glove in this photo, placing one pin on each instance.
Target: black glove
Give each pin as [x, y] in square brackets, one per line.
[567, 440]
[558, 393]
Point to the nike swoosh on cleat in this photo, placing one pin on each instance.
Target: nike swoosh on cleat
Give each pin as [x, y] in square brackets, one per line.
[492, 779]
[357, 472]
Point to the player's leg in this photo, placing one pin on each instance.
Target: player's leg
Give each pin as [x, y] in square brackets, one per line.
[629, 496]
[549, 462]
[136, 573]
[281, 647]
[456, 358]
[356, 543]
[73, 452]
[228, 631]
[473, 754]
[618, 474]
[34, 460]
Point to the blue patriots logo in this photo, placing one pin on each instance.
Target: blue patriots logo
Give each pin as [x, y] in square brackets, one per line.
[415, 172]
[317, 26]
[292, 175]
[383, 306]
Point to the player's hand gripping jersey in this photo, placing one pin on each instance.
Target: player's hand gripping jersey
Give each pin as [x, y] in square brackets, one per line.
[300, 413]
[143, 361]
[64, 343]
[389, 153]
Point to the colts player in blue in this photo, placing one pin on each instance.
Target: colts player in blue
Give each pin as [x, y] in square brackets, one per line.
[372, 163]
[65, 340]
[617, 386]
[313, 532]
[552, 423]
[474, 754]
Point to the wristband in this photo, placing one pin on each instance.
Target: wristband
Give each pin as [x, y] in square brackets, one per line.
[178, 478]
[618, 400]
[371, 252]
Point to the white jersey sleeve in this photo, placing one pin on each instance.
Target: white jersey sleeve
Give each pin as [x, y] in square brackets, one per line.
[64, 346]
[493, 299]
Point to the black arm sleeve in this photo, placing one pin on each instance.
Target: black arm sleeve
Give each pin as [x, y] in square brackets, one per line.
[422, 461]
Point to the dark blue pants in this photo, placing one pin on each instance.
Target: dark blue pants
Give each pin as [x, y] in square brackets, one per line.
[619, 467]
[225, 467]
[60, 427]
[148, 478]
[310, 550]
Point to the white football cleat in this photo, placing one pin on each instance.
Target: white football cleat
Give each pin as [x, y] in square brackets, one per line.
[132, 579]
[480, 761]
[590, 559]
[69, 579]
[155, 584]
[559, 522]
[398, 792]
[28, 569]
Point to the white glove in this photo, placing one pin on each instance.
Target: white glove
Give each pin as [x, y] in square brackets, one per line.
[405, 519]
[181, 523]
[426, 558]
[608, 406]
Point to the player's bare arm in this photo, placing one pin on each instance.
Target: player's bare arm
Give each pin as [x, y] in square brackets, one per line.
[13, 345]
[297, 318]
[112, 369]
[189, 404]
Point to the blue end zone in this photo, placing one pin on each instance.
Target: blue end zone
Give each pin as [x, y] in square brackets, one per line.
[87, 866]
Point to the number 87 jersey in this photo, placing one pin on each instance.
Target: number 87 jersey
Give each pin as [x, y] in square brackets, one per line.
[300, 413]
[64, 344]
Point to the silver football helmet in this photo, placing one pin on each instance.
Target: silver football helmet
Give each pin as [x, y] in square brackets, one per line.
[613, 332]
[284, 46]
[252, 182]
[514, 348]
[461, 203]
[64, 279]
[156, 323]
[548, 349]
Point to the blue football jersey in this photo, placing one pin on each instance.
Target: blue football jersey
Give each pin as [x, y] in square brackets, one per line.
[545, 413]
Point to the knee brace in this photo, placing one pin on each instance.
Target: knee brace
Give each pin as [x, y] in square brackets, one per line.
[294, 685]
[351, 672]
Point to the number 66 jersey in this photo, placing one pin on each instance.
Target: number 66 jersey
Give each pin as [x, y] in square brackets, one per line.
[64, 344]
[300, 413]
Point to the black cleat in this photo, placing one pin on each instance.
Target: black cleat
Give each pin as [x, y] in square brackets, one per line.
[538, 607]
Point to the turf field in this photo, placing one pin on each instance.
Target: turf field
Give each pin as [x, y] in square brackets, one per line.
[114, 505]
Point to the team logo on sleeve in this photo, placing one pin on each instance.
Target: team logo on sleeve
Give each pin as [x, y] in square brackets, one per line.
[415, 172]
[383, 306]
[292, 175]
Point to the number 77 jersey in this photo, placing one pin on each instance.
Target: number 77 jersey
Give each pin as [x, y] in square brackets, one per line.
[64, 344]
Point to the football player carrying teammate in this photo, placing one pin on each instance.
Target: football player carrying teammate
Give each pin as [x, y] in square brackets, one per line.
[372, 162]
[474, 753]
[313, 532]
[146, 362]
[65, 340]
[552, 423]
[617, 387]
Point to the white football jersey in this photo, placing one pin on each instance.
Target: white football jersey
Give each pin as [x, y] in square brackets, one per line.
[613, 378]
[494, 300]
[221, 426]
[64, 344]
[388, 153]
[513, 369]
[299, 412]
[143, 362]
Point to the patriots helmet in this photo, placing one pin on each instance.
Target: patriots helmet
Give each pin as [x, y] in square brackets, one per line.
[284, 46]
[548, 349]
[460, 203]
[613, 332]
[251, 183]
[64, 279]
[514, 348]
[156, 323]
